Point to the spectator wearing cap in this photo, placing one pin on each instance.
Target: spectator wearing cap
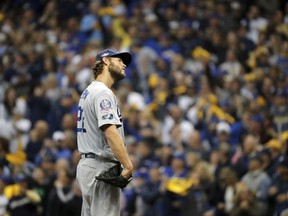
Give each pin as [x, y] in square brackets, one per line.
[60, 146]
[151, 192]
[279, 187]
[276, 149]
[223, 131]
[172, 200]
[258, 182]
[23, 200]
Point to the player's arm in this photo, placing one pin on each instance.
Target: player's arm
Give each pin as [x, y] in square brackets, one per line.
[118, 148]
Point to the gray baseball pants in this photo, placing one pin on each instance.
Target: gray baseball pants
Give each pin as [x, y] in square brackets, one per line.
[99, 198]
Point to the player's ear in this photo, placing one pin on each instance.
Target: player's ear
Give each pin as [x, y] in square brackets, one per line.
[106, 60]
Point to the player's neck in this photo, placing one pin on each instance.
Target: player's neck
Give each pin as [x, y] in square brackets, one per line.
[106, 80]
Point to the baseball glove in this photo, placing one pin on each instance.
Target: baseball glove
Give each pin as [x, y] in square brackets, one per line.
[113, 176]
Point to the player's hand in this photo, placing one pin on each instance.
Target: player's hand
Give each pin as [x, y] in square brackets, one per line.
[126, 173]
[114, 176]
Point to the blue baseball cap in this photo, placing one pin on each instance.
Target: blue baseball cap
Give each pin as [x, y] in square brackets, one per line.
[125, 56]
[180, 156]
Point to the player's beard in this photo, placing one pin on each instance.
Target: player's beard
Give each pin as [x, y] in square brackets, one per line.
[116, 72]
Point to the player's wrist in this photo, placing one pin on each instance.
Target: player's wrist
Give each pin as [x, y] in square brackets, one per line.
[128, 168]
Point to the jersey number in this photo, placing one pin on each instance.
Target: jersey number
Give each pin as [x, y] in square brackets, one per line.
[80, 120]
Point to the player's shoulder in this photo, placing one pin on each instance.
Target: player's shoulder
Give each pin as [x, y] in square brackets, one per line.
[98, 88]
[95, 86]
[98, 85]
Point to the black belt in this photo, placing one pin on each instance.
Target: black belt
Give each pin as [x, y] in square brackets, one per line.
[92, 155]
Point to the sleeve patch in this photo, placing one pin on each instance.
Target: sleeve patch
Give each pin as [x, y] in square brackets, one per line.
[107, 116]
[105, 105]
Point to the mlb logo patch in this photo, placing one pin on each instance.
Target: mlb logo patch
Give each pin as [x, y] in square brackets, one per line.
[105, 104]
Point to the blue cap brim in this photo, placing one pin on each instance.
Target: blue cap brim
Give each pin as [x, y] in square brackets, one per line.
[124, 56]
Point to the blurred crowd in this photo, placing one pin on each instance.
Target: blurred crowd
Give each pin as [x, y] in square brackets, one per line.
[205, 103]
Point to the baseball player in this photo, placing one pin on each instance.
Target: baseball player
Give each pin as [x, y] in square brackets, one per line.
[100, 138]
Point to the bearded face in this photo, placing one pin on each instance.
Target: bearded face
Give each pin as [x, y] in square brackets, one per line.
[116, 72]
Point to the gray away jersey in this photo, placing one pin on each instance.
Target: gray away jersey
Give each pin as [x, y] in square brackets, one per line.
[97, 106]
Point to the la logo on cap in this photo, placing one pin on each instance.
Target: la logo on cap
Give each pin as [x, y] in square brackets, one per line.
[105, 54]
